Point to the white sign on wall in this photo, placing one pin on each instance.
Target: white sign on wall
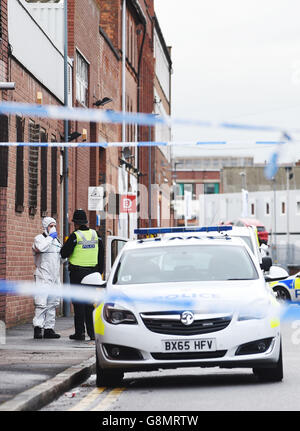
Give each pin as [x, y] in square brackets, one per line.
[96, 196]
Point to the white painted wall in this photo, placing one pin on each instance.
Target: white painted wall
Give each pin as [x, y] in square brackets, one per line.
[34, 44]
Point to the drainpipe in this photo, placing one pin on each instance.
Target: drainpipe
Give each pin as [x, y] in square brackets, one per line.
[138, 99]
[66, 304]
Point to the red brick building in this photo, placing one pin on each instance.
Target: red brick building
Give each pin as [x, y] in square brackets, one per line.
[31, 178]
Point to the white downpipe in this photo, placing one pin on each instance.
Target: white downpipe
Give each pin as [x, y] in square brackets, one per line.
[124, 68]
[124, 222]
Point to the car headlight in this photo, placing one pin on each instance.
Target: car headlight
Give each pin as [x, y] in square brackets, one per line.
[116, 314]
[255, 310]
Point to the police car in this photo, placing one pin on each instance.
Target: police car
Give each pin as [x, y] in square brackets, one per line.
[247, 233]
[195, 301]
[288, 290]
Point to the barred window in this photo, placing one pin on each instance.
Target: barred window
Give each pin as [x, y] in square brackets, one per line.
[34, 135]
[53, 179]
[0, 19]
[19, 200]
[43, 171]
[3, 151]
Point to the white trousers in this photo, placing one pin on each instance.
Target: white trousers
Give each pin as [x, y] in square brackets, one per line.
[45, 310]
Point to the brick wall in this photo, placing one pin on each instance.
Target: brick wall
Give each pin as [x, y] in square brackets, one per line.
[21, 227]
[3, 190]
[102, 49]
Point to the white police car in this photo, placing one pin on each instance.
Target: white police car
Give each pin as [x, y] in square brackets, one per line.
[188, 302]
[288, 290]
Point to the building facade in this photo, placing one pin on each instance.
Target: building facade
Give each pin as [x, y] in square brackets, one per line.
[32, 176]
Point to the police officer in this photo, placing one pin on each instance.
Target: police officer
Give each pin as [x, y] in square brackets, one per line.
[86, 255]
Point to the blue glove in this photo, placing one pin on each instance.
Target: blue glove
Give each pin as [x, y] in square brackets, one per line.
[53, 235]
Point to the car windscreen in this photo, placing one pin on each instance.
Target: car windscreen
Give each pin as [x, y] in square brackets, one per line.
[184, 263]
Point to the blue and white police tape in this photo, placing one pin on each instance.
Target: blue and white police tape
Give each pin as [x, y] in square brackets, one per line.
[205, 301]
[110, 116]
[212, 144]
[145, 119]
[270, 170]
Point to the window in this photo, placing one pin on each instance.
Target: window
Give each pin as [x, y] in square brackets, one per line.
[82, 79]
[33, 162]
[298, 207]
[252, 206]
[211, 188]
[0, 20]
[53, 179]
[267, 208]
[184, 263]
[3, 151]
[19, 201]
[282, 208]
[43, 172]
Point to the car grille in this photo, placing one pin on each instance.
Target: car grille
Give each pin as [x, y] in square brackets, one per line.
[188, 355]
[173, 325]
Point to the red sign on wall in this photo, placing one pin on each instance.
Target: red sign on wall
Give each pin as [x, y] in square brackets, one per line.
[128, 204]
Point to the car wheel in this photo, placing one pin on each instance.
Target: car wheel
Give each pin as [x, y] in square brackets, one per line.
[281, 293]
[106, 377]
[270, 374]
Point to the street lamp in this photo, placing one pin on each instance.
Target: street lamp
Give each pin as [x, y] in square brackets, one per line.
[7, 85]
[103, 101]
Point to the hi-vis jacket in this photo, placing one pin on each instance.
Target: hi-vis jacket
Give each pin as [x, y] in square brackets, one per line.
[85, 252]
[47, 259]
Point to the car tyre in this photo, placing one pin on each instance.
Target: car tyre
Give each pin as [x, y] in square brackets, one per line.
[274, 374]
[106, 377]
[282, 294]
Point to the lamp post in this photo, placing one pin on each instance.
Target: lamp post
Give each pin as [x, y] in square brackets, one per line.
[66, 304]
[150, 172]
[289, 175]
[244, 194]
[174, 176]
[274, 242]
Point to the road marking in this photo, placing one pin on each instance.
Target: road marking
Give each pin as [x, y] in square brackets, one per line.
[88, 400]
[109, 400]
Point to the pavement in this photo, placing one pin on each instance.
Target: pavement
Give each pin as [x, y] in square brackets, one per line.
[34, 372]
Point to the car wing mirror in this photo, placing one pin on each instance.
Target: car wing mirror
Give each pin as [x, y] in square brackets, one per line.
[276, 273]
[93, 280]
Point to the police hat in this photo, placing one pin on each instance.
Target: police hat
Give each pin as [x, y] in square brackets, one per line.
[79, 217]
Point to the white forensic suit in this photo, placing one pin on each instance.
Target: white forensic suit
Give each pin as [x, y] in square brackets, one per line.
[47, 259]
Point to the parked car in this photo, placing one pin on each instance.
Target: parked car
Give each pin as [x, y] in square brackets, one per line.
[164, 310]
[263, 235]
[288, 289]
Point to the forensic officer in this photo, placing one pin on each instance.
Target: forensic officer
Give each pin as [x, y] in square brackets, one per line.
[86, 255]
[46, 250]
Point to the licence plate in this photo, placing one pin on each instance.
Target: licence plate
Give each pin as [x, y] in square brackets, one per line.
[194, 345]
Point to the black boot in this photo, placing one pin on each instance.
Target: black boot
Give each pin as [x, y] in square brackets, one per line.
[79, 337]
[49, 333]
[38, 332]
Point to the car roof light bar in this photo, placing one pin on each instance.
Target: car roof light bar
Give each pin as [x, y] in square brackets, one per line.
[161, 230]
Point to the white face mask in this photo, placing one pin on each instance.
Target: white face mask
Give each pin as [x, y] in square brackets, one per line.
[52, 229]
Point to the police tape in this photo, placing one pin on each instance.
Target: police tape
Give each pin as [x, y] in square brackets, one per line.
[110, 116]
[206, 301]
[134, 144]
[270, 169]
[144, 119]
